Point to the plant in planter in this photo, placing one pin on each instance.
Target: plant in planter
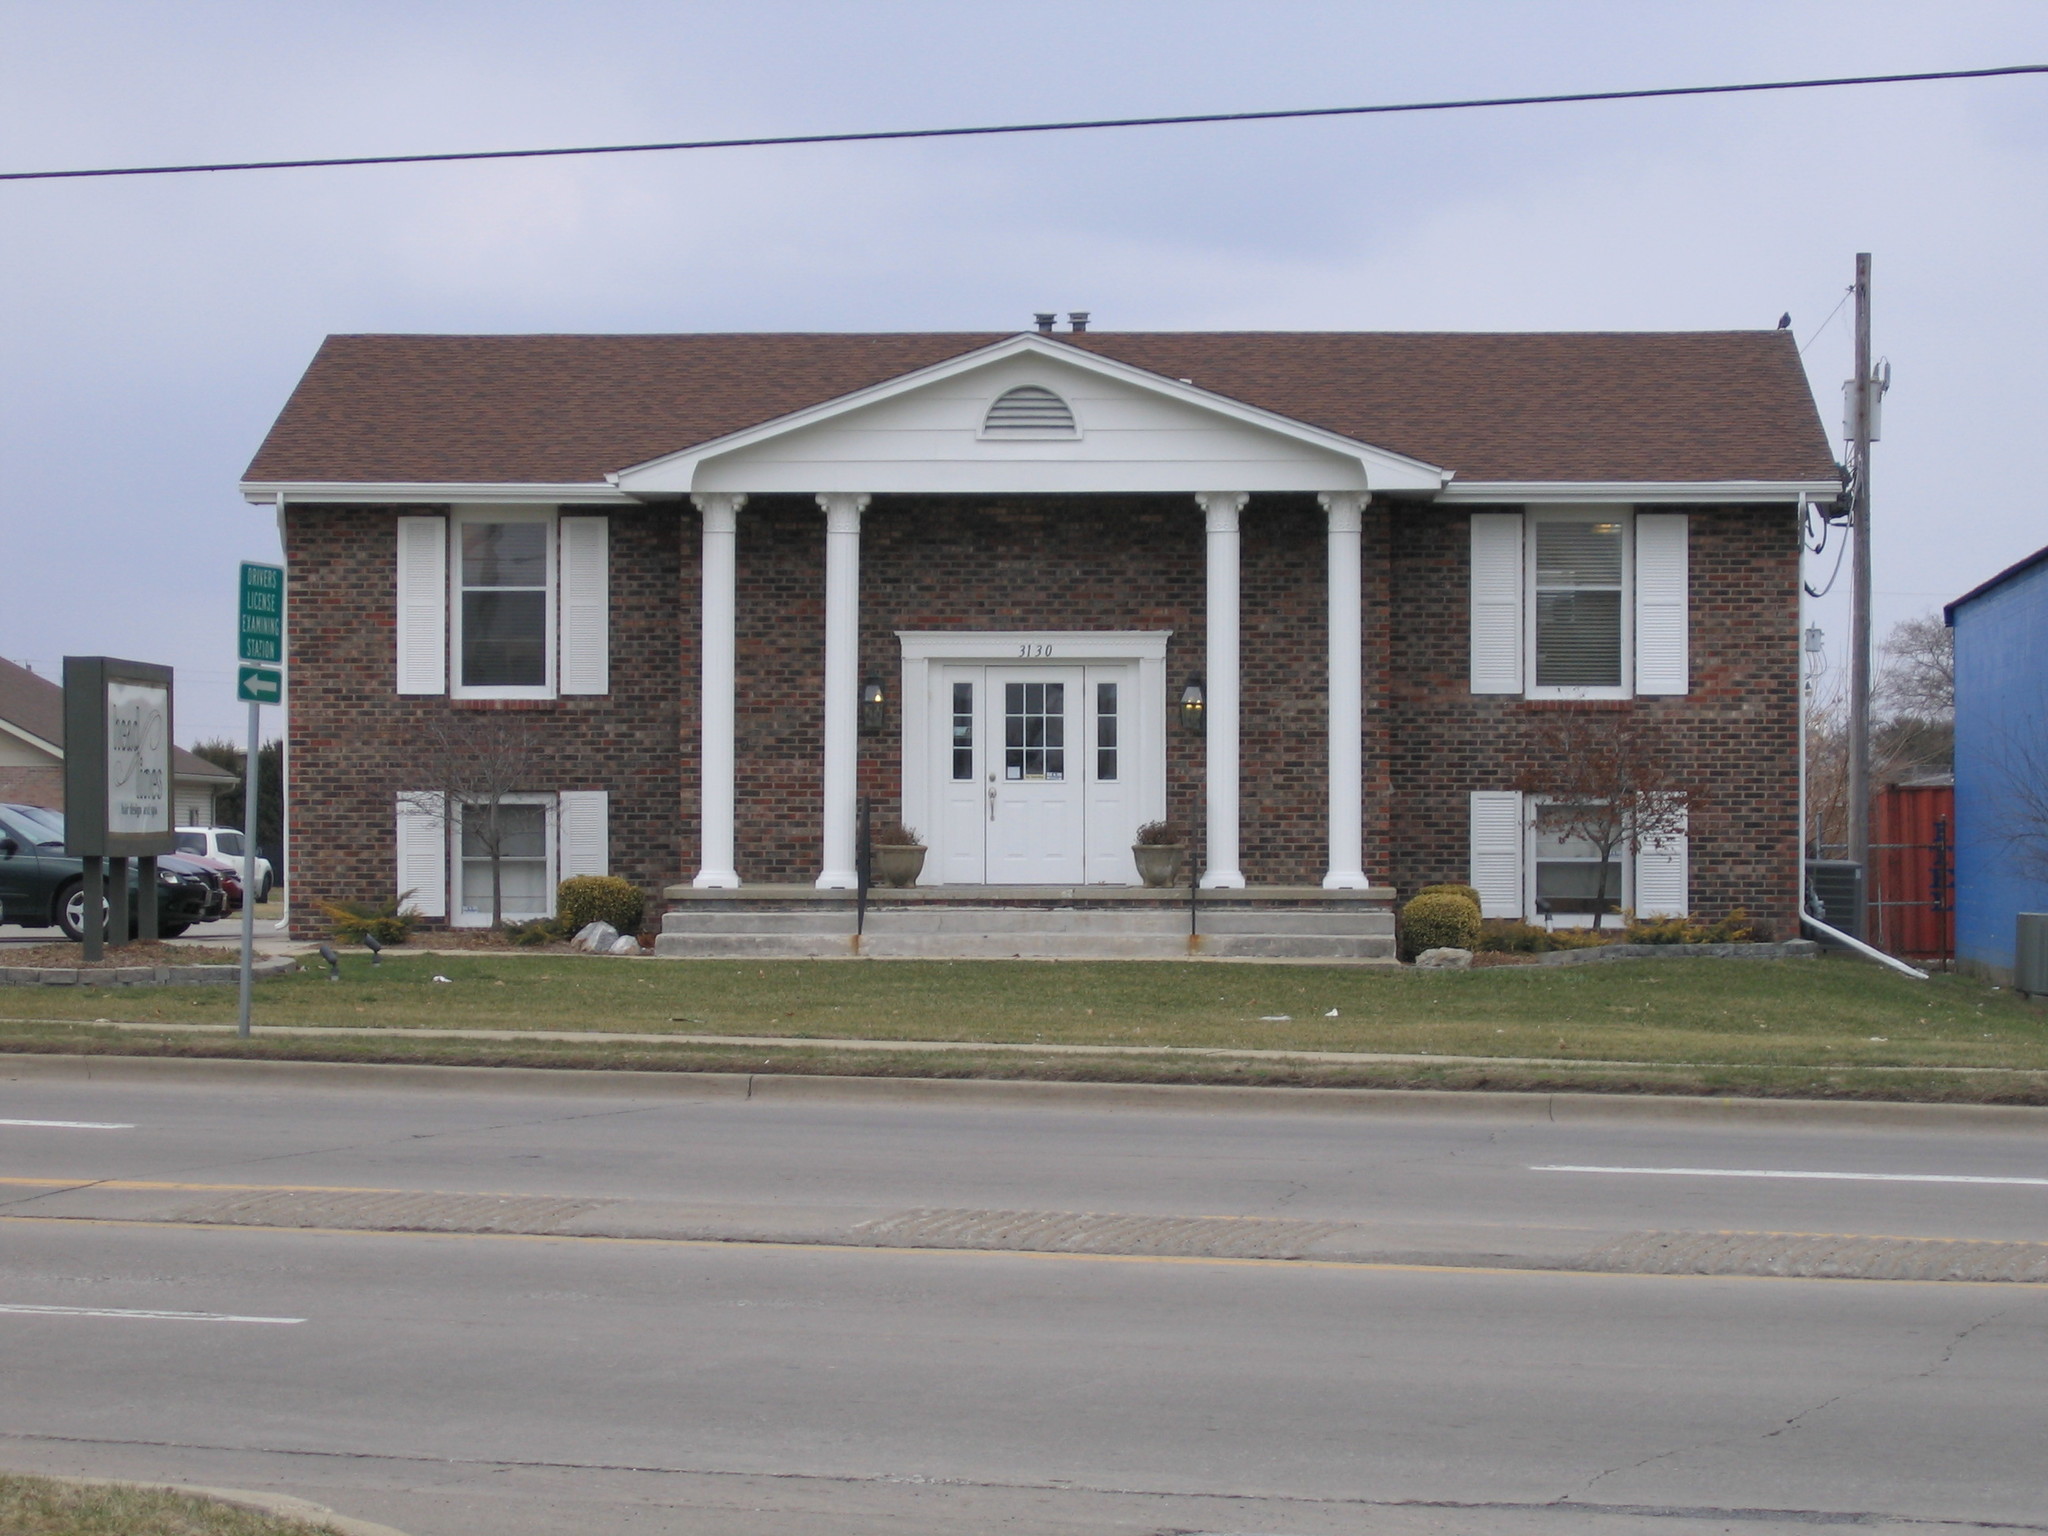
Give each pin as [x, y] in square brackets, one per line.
[1160, 847]
[898, 854]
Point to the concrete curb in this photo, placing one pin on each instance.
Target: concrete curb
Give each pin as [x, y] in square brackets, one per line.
[284, 1505]
[1175, 1098]
[142, 975]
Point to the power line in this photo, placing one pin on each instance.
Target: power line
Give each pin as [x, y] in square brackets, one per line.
[990, 131]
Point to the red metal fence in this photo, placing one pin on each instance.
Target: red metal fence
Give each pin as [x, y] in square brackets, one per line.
[1913, 872]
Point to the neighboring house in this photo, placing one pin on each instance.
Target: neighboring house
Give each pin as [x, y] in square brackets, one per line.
[737, 582]
[32, 752]
[2001, 633]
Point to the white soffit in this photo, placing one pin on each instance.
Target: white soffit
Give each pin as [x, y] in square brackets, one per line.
[1670, 492]
[1137, 433]
[431, 492]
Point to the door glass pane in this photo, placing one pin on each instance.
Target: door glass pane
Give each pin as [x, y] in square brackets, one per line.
[1034, 731]
[1105, 733]
[963, 730]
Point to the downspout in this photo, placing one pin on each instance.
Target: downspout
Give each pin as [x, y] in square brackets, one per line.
[283, 738]
[1867, 951]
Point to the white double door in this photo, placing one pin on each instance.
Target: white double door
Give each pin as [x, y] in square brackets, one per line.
[1037, 771]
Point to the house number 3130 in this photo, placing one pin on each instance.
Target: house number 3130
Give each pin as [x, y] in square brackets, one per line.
[1029, 649]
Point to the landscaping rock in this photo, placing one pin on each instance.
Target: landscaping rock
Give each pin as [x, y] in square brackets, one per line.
[1444, 960]
[623, 945]
[596, 938]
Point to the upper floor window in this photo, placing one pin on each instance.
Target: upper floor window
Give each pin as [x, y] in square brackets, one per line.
[1029, 410]
[503, 587]
[1576, 629]
[503, 602]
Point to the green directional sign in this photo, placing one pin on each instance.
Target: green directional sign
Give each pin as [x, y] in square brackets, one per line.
[262, 623]
[259, 685]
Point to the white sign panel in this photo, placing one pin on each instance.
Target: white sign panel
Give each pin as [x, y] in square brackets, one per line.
[138, 757]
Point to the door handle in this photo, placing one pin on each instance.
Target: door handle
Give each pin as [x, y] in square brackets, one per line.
[991, 797]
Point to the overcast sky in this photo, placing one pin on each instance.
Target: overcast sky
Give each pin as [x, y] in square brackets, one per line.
[150, 329]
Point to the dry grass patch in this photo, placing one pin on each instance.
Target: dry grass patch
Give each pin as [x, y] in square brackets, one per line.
[43, 1506]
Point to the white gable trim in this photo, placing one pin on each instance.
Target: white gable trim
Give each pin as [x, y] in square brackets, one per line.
[678, 473]
[32, 739]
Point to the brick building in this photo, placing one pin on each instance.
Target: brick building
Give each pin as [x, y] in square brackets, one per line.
[1313, 595]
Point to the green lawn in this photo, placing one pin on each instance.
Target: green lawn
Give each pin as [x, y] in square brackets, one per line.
[41, 1506]
[1798, 1017]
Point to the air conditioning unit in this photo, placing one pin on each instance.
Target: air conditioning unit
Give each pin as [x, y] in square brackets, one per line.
[1834, 894]
[2030, 954]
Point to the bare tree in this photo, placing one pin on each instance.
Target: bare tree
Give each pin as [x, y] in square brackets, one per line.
[471, 764]
[1606, 781]
[1912, 731]
[1917, 674]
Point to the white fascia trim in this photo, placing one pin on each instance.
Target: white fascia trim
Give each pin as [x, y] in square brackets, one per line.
[1396, 472]
[1694, 492]
[1049, 645]
[437, 492]
[32, 739]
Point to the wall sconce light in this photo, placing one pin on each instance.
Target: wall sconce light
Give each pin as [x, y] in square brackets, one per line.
[874, 708]
[1192, 705]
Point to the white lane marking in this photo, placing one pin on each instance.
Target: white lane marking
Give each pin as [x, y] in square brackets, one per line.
[73, 1125]
[161, 1317]
[1791, 1173]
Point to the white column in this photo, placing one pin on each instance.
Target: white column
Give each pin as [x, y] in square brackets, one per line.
[716, 867]
[1346, 510]
[1220, 510]
[842, 687]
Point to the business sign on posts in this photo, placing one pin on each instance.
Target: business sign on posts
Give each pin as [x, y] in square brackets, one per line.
[262, 623]
[117, 758]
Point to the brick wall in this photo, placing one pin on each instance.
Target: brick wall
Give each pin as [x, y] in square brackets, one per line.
[1735, 735]
[1055, 563]
[33, 786]
[352, 735]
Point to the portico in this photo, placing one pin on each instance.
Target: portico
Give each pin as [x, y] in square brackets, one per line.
[1083, 714]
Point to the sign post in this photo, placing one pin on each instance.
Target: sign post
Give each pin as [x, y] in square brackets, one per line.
[117, 788]
[261, 633]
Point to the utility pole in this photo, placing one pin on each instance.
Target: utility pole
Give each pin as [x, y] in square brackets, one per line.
[1859, 428]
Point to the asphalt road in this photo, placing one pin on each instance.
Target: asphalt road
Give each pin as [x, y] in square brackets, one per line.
[780, 1373]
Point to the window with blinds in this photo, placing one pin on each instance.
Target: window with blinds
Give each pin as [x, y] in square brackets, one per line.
[1578, 591]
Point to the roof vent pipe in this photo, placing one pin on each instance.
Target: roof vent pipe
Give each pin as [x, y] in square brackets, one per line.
[1045, 319]
[1078, 320]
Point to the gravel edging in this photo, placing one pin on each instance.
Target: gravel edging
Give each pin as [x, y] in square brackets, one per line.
[142, 975]
[1791, 949]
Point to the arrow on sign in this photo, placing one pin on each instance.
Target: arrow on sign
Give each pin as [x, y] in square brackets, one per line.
[259, 685]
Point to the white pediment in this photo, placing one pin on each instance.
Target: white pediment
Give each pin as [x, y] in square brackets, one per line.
[1134, 432]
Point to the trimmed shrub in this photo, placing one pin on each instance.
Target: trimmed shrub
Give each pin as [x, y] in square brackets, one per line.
[1506, 936]
[585, 899]
[1738, 927]
[1469, 892]
[390, 921]
[542, 930]
[1438, 920]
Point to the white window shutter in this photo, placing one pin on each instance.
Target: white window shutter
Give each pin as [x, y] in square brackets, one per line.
[422, 605]
[584, 822]
[1497, 851]
[1663, 591]
[1662, 878]
[586, 605]
[423, 851]
[1497, 602]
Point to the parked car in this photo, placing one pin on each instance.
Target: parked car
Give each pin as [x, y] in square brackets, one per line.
[225, 843]
[43, 887]
[230, 877]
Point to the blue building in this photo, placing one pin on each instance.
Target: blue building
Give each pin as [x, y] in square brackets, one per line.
[2001, 635]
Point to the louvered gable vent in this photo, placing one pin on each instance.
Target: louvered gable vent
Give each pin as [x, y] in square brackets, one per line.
[1029, 410]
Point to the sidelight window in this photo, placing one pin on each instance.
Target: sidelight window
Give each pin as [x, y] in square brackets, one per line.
[963, 730]
[1105, 733]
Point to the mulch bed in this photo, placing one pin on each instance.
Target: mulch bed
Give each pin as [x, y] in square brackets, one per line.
[127, 954]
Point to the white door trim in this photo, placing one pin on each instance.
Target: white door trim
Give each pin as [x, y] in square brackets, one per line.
[923, 650]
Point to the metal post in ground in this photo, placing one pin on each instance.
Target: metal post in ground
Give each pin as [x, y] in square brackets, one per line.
[249, 867]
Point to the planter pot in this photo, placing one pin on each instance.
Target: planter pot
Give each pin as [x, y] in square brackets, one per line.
[898, 863]
[1159, 863]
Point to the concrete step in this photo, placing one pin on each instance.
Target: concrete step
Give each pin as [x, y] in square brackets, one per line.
[711, 919]
[1258, 946]
[1351, 924]
[1024, 946]
[990, 921]
[753, 946]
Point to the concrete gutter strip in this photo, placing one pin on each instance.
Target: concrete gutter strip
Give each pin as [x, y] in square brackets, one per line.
[141, 975]
[283, 1505]
[1172, 1098]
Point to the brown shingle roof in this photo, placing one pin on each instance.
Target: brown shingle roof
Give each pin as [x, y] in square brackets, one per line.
[36, 704]
[1717, 405]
